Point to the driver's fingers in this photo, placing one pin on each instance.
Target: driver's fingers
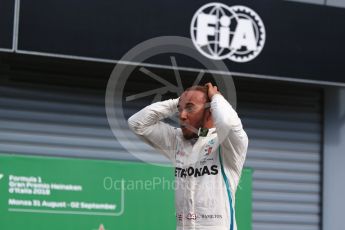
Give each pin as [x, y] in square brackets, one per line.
[209, 84]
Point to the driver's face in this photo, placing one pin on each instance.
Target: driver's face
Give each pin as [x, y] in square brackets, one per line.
[191, 109]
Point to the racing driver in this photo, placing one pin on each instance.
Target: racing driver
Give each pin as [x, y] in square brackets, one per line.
[208, 151]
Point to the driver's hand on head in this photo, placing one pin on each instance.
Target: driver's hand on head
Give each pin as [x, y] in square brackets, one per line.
[212, 90]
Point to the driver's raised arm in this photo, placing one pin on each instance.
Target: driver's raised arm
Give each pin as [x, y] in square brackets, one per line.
[231, 134]
[147, 124]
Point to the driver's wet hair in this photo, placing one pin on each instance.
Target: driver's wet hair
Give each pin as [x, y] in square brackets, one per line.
[201, 88]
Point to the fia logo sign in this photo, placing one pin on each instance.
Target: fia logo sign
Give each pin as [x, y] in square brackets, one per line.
[219, 32]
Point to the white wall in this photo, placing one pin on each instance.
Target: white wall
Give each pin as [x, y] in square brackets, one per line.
[320, 2]
[334, 159]
[335, 3]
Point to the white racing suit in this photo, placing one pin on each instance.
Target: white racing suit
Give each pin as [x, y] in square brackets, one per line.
[207, 170]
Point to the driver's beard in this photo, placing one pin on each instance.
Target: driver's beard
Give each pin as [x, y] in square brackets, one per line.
[190, 135]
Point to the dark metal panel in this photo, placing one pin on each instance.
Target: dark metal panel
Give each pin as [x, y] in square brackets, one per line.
[304, 41]
[6, 24]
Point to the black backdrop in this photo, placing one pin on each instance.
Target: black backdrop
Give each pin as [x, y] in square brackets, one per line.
[302, 40]
[6, 23]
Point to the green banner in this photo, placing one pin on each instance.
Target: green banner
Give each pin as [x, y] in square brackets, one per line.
[64, 193]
